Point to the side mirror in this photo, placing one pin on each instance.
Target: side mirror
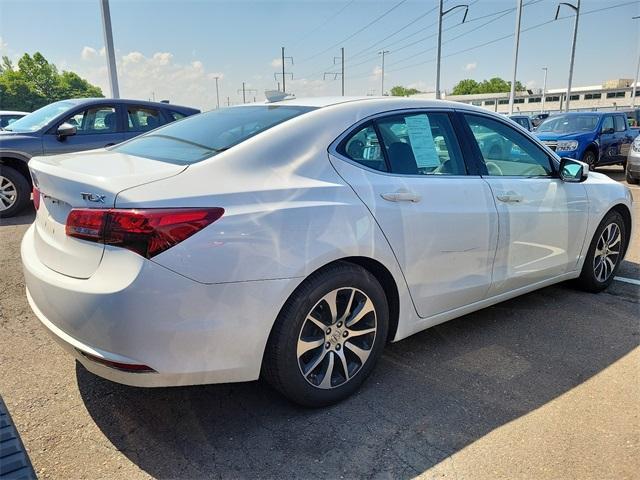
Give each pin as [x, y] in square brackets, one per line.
[66, 130]
[573, 171]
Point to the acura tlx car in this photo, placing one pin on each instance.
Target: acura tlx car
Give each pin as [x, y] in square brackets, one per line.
[293, 240]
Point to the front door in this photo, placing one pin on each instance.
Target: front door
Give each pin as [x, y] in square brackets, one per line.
[96, 127]
[542, 220]
[440, 222]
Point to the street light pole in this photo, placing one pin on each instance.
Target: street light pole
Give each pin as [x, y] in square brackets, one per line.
[108, 46]
[576, 9]
[217, 93]
[342, 55]
[635, 84]
[544, 88]
[516, 46]
[383, 53]
[440, 16]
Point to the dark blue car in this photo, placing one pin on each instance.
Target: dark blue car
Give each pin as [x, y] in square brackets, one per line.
[596, 138]
[71, 126]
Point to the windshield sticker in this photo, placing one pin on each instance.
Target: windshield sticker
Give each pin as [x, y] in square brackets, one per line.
[422, 144]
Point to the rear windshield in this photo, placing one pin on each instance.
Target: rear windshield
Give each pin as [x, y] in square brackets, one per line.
[201, 136]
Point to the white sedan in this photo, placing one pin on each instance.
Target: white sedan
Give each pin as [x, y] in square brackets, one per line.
[293, 240]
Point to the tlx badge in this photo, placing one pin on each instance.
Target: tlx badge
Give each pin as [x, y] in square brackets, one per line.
[92, 197]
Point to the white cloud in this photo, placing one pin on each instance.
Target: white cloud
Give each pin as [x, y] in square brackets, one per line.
[470, 67]
[3, 44]
[141, 77]
[103, 52]
[276, 62]
[88, 53]
[531, 84]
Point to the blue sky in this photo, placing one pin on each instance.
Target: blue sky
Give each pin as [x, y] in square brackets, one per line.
[173, 49]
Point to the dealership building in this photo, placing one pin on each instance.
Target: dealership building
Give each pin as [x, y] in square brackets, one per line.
[611, 95]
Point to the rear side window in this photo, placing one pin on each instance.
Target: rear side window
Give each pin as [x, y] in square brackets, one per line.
[202, 136]
[175, 115]
[143, 119]
[408, 144]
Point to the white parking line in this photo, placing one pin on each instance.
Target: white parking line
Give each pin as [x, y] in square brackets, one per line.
[627, 280]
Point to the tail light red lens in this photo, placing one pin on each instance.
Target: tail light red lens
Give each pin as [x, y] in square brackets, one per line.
[147, 232]
[36, 197]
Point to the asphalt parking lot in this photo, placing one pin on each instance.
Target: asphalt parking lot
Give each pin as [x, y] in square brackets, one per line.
[543, 386]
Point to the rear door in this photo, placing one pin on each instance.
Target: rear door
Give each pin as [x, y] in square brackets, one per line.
[542, 219]
[440, 221]
[623, 136]
[97, 126]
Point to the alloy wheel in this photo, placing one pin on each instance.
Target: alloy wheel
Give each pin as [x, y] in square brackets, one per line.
[336, 338]
[8, 193]
[607, 252]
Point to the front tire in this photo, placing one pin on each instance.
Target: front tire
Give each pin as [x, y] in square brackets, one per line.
[14, 192]
[630, 180]
[605, 253]
[328, 336]
[589, 157]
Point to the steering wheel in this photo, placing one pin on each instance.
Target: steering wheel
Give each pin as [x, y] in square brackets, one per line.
[493, 169]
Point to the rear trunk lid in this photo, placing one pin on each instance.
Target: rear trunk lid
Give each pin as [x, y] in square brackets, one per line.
[83, 180]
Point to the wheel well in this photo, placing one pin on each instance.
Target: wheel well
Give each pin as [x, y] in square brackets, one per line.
[626, 215]
[17, 164]
[594, 149]
[383, 275]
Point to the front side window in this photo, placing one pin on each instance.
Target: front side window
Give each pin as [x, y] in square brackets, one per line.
[620, 124]
[199, 137]
[94, 120]
[143, 119]
[507, 152]
[607, 124]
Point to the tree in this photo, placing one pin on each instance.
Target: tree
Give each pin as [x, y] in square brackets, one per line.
[493, 85]
[36, 82]
[399, 91]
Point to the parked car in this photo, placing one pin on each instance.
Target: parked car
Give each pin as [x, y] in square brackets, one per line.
[596, 138]
[71, 126]
[523, 120]
[293, 240]
[632, 168]
[538, 118]
[7, 117]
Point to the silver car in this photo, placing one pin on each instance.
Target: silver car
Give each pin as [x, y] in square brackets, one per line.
[633, 162]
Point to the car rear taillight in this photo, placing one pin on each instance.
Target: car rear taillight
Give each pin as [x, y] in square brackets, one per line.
[36, 197]
[147, 232]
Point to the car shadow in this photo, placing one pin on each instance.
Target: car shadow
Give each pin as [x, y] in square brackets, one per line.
[431, 395]
[26, 217]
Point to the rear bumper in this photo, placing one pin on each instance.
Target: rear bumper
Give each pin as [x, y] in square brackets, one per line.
[134, 311]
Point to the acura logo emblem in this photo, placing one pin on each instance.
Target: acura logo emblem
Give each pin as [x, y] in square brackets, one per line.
[92, 197]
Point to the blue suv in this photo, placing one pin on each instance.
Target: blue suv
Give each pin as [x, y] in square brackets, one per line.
[596, 138]
[71, 126]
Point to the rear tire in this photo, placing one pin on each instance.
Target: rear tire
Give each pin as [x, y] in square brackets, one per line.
[319, 354]
[14, 192]
[605, 253]
[589, 157]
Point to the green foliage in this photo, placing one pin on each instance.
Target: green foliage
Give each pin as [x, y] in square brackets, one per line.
[493, 85]
[36, 82]
[399, 91]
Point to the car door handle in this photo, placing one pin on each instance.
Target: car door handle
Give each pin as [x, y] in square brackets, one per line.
[510, 197]
[401, 196]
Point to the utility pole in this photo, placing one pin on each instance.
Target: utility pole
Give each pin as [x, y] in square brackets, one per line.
[440, 17]
[244, 91]
[341, 73]
[283, 73]
[635, 84]
[217, 93]
[544, 88]
[576, 9]
[383, 53]
[108, 46]
[228, 102]
[516, 46]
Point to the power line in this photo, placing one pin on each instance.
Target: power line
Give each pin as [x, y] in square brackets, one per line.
[322, 24]
[378, 18]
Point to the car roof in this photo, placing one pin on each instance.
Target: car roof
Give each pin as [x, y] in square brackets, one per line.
[12, 112]
[146, 103]
[388, 101]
